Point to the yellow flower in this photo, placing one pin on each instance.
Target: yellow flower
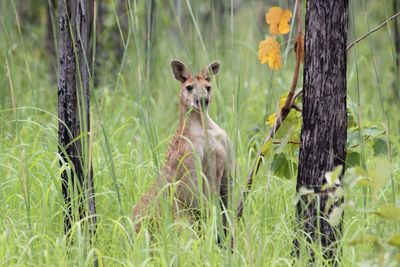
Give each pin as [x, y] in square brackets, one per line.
[269, 51]
[271, 120]
[278, 20]
[282, 101]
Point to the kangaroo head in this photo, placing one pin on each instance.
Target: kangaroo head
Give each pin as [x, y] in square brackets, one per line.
[196, 90]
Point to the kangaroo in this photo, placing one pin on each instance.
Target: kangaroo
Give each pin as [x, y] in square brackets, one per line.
[197, 139]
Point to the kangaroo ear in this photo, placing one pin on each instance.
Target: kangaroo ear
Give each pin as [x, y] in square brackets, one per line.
[211, 70]
[180, 71]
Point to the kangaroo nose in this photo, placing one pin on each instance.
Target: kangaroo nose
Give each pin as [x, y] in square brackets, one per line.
[202, 101]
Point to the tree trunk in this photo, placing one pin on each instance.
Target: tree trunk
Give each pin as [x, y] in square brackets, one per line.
[324, 130]
[73, 112]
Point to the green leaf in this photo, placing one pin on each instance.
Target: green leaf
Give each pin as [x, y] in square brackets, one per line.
[368, 133]
[353, 158]
[379, 171]
[380, 147]
[389, 212]
[288, 127]
[365, 239]
[335, 217]
[364, 181]
[266, 147]
[394, 240]
[353, 139]
[338, 193]
[303, 191]
[356, 176]
[332, 178]
[351, 120]
[372, 131]
[281, 166]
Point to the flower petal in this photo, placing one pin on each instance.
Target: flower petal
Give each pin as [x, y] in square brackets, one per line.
[271, 119]
[278, 20]
[284, 26]
[269, 52]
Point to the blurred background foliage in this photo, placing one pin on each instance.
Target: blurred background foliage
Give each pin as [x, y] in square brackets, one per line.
[135, 109]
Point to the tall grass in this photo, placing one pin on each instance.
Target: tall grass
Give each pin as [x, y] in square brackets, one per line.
[134, 113]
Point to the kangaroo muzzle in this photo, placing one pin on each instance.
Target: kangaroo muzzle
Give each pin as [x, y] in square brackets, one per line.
[202, 102]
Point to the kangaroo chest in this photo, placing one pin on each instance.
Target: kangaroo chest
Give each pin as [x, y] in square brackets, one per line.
[212, 148]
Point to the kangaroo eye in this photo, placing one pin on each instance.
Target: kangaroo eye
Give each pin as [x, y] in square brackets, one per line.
[208, 88]
[189, 88]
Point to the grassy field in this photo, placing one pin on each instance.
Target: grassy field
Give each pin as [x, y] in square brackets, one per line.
[134, 115]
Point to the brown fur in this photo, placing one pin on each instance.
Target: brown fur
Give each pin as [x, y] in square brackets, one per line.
[198, 137]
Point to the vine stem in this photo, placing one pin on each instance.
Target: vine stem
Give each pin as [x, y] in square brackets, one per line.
[284, 112]
[359, 39]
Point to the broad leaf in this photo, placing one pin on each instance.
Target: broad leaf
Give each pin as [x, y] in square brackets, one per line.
[380, 147]
[332, 178]
[389, 212]
[356, 176]
[353, 158]
[365, 239]
[372, 131]
[379, 171]
[335, 217]
[394, 241]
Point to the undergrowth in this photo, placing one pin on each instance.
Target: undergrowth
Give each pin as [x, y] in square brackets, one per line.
[134, 113]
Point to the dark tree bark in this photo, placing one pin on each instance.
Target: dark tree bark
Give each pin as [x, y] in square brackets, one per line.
[73, 112]
[324, 130]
